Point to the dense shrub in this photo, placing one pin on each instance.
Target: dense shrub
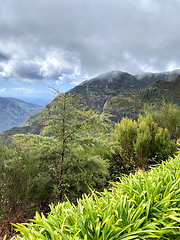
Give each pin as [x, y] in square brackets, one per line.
[25, 183]
[168, 116]
[142, 140]
[75, 156]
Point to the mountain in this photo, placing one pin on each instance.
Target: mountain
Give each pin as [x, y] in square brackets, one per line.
[120, 94]
[14, 112]
[98, 90]
[150, 78]
[132, 104]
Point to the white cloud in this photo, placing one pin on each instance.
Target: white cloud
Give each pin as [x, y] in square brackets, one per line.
[29, 91]
[2, 90]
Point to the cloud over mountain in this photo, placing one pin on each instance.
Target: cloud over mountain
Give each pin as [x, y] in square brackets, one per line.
[67, 41]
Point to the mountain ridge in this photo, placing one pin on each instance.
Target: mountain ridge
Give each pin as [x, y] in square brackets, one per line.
[115, 87]
[132, 104]
[99, 89]
[14, 112]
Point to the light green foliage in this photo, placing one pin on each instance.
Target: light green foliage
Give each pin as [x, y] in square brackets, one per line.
[156, 140]
[42, 147]
[67, 136]
[168, 116]
[107, 149]
[141, 206]
[141, 141]
[126, 132]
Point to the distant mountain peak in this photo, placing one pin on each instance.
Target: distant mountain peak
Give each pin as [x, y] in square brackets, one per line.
[109, 76]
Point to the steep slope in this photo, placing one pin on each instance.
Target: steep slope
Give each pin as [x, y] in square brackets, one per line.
[149, 78]
[132, 104]
[97, 90]
[14, 112]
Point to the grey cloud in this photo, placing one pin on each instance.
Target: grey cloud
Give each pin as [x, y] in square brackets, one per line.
[4, 56]
[67, 39]
[27, 70]
[1, 68]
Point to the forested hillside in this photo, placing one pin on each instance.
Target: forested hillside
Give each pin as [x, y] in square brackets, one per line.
[95, 96]
[68, 151]
[132, 104]
[78, 151]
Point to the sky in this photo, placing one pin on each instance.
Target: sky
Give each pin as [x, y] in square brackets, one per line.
[47, 44]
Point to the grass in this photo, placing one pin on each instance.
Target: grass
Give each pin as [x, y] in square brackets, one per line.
[145, 205]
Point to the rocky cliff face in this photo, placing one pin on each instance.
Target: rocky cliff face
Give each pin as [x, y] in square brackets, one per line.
[14, 112]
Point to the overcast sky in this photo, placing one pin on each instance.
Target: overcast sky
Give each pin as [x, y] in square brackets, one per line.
[63, 42]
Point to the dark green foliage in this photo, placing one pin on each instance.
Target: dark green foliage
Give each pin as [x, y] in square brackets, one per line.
[73, 154]
[25, 183]
[147, 93]
[83, 173]
[132, 104]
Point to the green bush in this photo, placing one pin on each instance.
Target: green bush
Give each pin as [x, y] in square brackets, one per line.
[142, 206]
[25, 182]
[168, 116]
[156, 142]
[142, 140]
[82, 173]
[126, 132]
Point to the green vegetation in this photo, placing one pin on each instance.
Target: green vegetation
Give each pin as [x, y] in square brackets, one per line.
[79, 152]
[143, 140]
[25, 183]
[123, 105]
[141, 206]
[64, 145]
[167, 116]
[132, 104]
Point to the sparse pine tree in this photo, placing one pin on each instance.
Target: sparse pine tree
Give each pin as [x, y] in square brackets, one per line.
[67, 128]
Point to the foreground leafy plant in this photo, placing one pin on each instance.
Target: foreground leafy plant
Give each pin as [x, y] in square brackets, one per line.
[141, 206]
